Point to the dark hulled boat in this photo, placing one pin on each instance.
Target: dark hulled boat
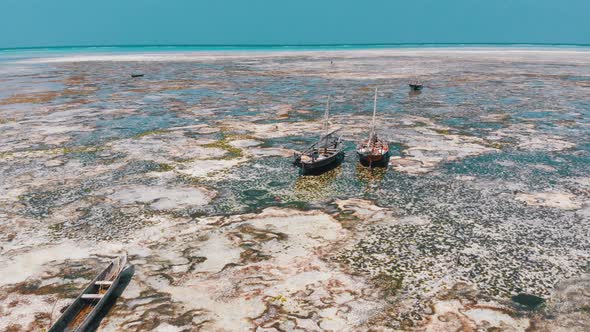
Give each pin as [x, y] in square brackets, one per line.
[327, 152]
[81, 313]
[373, 151]
[416, 86]
[136, 75]
[324, 154]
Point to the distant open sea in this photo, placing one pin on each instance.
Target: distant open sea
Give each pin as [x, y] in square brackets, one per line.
[269, 48]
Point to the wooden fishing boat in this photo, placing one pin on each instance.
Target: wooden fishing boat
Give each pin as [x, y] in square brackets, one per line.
[327, 152]
[136, 75]
[81, 313]
[373, 150]
[416, 86]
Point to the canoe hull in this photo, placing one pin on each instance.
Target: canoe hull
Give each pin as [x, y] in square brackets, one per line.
[76, 317]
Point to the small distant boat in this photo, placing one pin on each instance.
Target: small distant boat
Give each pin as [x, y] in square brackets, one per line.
[416, 86]
[136, 75]
[80, 314]
[373, 150]
[326, 152]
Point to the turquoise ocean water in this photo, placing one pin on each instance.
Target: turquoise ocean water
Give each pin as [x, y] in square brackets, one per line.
[267, 48]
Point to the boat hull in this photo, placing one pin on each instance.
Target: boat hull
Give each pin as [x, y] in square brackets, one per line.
[373, 160]
[323, 165]
[74, 318]
[371, 157]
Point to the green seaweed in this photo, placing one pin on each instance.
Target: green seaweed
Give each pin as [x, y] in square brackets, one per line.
[347, 219]
[261, 234]
[279, 298]
[81, 149]
[250, 255]
[6, 120]
[57, 151]
[32, 98]
[56, 227]
[442, 131]
[163, 167]
[232, 152]
[389, 284]
[189, 179]
[234, 137]
[150, 132]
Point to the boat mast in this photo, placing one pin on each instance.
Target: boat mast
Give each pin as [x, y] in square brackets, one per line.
[372, 132]
[326, 116]
[327, 112]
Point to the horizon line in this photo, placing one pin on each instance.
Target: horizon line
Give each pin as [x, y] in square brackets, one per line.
[295, 45]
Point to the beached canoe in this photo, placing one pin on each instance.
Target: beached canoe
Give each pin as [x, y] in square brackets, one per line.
[81, 313]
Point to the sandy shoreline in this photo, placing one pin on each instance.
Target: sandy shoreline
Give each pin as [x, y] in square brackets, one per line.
[530, 54]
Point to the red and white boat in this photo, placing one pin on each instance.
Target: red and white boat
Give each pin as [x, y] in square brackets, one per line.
[373, 151]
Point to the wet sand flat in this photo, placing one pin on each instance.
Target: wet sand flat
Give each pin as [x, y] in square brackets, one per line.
[188, 169]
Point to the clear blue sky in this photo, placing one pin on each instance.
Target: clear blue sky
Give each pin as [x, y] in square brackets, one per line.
[123, 22]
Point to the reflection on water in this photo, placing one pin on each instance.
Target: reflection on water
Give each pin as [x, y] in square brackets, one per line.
[370, 177]
[317, 187]
[414, 93]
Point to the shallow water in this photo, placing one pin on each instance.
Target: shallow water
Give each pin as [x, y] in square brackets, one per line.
[189, 169]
